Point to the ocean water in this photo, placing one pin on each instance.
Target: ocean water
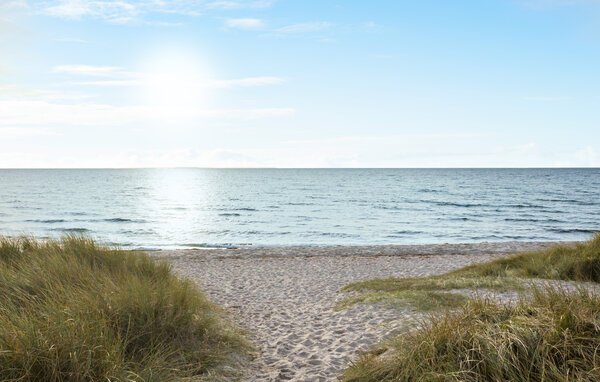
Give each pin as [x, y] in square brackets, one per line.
[182, 208]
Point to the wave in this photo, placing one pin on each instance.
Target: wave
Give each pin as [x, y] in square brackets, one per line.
[573, 201]
[520, 205]
[532, 220]
[404, 232]
[572, 230]
[454, 204]
[230, 214]
[47, 221]
[74, 230]
[117, 220]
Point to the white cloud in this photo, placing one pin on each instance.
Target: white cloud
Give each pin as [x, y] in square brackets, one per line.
[127, 11]
[587, 156]
[43, 113]
[76, 9]
[22, 132]
[388, 138]
[245, 23]
[117, 76]
[12, 5]
[93, 71]
[239, 4]
[304, 27]
[207, 84]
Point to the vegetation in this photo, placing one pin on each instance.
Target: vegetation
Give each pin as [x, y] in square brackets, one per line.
[576, 263]
[554, 336]
[548, 335]
[71, 310]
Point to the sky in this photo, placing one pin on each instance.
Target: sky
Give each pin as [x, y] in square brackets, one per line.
[299, 83]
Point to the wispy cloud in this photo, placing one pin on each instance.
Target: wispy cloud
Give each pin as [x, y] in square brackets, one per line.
[118, 76]
[239, 4]
[11, 5]
[388, 138]
[208, 84]
[76, 9]
[127, 11]
[309, 27]
[25, 114]
[245, 23]
[93, 71]
[23, 132]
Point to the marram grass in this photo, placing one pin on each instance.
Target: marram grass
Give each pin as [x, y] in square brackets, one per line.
[552, 336]
[72, 310]
[574, 263]
[549, 335]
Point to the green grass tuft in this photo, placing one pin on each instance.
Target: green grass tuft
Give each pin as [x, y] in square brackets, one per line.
[575, 263]
[553, 336]
[425, 300]
[75, 311]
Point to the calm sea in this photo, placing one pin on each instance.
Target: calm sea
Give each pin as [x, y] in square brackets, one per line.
[167, 208]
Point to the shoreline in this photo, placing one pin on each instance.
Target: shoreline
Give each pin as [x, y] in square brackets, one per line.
[489, 248]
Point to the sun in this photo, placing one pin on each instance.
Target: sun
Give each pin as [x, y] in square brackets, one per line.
[175, 81]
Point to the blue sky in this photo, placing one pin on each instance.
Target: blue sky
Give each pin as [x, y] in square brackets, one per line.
[281, 83]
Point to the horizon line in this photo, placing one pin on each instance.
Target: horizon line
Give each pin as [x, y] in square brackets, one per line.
[298, 168]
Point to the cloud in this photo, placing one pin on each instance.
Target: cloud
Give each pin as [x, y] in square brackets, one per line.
[76, 9]
[244, 23]
[93, 71]
[127, 11]
[388, 138]
[13, 5]
[304, 27]
[118, 76]
[23, 132]
[207, 84]
[239, 4]
[31, 113]
[588, 156]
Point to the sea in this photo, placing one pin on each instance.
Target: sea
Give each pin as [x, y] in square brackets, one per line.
[204, 208]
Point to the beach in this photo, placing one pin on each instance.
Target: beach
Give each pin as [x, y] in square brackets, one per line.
[286, 297]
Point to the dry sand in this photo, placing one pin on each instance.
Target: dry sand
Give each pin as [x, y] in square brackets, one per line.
[285, 297]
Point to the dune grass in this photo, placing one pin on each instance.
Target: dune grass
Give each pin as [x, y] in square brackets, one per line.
[552, 336]
[72, 310]
[576, 263]
[424, 301]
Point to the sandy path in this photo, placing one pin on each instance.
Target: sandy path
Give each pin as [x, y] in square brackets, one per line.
[286, 298]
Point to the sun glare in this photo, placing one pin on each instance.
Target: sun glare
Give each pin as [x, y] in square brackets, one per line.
[175, 81]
